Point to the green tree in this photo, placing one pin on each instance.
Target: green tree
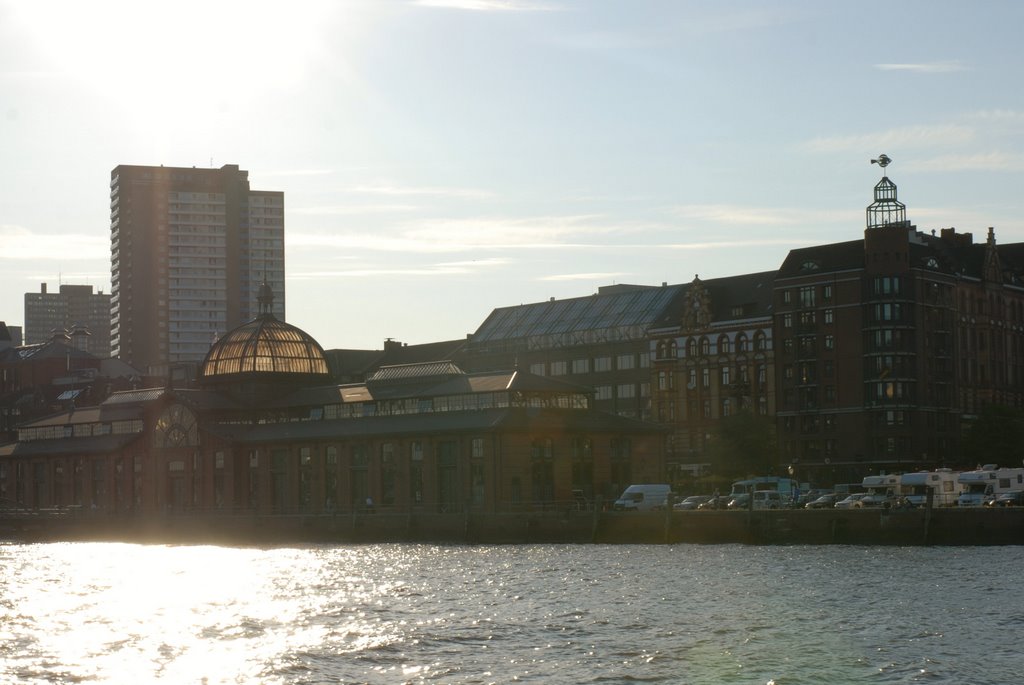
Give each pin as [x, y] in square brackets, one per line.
[743, 444]
[995, 437]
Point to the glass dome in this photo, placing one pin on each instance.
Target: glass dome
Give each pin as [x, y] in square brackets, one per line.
[265, 345]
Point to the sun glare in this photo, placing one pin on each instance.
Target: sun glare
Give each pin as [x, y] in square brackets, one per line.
[175, 54]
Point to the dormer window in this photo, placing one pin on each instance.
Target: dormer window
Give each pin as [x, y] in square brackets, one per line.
[932, 263]
[810, 265]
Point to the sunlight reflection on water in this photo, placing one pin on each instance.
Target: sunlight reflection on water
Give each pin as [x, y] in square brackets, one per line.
[420, 613]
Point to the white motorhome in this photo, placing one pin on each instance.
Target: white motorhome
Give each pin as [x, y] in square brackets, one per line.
[983, 485]
[881, 490]
[944, 485]
[643, 497]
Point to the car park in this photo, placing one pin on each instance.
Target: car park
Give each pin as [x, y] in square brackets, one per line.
[690, 503]
[826, 501]
[852, 501]
[739, 502]
[1014, 498]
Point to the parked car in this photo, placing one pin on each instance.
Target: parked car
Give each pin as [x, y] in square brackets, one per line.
[739, 502]
[852, 501]
[691, 502]
[826, 501]
[715, 502]
[1014, 498]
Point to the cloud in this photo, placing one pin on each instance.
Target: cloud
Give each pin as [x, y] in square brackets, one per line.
[21, 244]
[413, 190]
[987, 161]
[943, 67]
[335, 210]
[487, 5]
[593, 276]
[943, 135]
[761, 216]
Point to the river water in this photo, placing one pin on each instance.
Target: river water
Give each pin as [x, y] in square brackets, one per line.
[404, 613]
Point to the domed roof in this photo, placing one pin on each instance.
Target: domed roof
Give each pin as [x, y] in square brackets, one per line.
[264, 346]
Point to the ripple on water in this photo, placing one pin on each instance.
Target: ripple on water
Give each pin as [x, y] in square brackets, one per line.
[541, 614]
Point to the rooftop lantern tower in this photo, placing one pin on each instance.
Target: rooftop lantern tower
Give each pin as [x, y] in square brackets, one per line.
[886, 210]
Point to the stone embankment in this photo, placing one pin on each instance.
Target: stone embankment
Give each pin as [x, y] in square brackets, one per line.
[976, 526]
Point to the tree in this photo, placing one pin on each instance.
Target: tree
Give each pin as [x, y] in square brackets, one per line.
[995, 437]
[743, 444]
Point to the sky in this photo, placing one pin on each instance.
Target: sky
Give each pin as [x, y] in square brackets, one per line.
[443, 158]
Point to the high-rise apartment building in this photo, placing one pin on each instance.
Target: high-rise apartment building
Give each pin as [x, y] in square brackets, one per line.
[76, 310]
[189, 249]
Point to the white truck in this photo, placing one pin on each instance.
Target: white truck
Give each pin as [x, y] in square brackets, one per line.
[881, 490]
[983, 485]
[643, 497]
[944, 485]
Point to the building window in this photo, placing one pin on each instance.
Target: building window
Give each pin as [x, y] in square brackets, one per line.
[887, 285]
[388, 474]
[787, 320]
[705, 377]
[602, 364]
[626, 391]
[537, 369]
[581, 366]
[707, 409]
[542, 470]
[558, 368]
[787, 298]
[830, 342]
[723, 345]
[807, 296]
[582, 468]
[477, 448]
[603, 392]
[742, 343]
[726, 407]
[416, 472]
[725, 376]
[826, 293]
[828, 316]
[705, 346]
[626, 362]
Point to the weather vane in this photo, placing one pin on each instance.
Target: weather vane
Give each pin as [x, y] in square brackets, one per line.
[882, 161]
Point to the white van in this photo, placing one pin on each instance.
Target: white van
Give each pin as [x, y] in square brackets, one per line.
[643, 497]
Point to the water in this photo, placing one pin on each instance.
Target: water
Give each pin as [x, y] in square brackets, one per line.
[118, 613]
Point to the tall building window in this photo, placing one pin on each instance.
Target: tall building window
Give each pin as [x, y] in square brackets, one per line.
[807, 296]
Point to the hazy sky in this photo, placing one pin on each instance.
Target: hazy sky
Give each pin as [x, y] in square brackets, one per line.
[443, 158]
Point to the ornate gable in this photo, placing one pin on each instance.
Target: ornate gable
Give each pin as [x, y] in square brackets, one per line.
[697, 312]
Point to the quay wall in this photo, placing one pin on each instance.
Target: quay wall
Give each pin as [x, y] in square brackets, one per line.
[976, 526]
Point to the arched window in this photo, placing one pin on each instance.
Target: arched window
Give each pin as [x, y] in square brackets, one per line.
[691, 347]
[742, 343]
[705, 347]
[723, 344]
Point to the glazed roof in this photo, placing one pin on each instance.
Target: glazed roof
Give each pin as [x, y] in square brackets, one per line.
[265, 345]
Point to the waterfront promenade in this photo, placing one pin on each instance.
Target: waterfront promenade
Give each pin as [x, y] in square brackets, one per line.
[953, 526]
